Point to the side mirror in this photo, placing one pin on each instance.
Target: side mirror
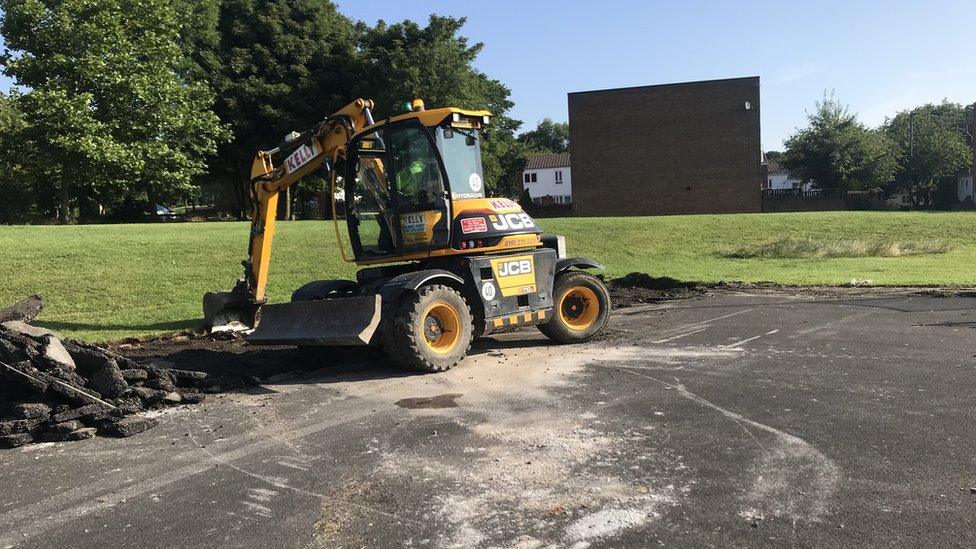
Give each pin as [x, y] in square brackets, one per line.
[327, 169]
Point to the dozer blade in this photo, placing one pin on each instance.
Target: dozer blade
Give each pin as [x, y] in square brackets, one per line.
[345, 321]
[227, 312]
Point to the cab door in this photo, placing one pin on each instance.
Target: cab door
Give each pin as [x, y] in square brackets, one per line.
[369, 206]
[418, 188]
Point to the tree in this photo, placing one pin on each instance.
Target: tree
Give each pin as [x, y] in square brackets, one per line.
[9, 115]
[108, 108]
[404, 60]
[836, 151]
[18, 197]
[548, 136]
[510, 156]
[199, 37]
[933, 142]
[283, 66]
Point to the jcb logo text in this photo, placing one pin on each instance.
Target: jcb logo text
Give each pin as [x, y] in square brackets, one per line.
[512, 268]
[512, 221]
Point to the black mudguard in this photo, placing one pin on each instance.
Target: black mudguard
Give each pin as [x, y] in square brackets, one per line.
[321, 289]
[578, 262]
[394, 287]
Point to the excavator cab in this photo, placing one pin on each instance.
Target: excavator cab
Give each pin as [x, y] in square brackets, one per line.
[397, 193]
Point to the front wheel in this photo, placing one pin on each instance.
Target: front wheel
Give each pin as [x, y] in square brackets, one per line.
[431, 330]
[582, 308]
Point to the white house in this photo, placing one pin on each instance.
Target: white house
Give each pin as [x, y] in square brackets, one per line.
[547, 179]
[778, 178]
[964, 187]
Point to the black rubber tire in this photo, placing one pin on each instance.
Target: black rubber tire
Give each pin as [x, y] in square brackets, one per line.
[557, 329]
[403, 337]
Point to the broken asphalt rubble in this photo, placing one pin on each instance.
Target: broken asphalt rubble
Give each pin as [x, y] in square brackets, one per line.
[58, 389]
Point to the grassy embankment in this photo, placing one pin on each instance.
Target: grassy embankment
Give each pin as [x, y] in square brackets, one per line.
[106, 282]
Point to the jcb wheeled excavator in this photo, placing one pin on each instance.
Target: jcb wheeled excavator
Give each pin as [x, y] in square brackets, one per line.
[442, 263]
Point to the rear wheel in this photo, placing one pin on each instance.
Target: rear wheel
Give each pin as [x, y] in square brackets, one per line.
[431, 330]
[582, 308]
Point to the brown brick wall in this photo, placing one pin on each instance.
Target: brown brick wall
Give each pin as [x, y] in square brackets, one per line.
[671, 149]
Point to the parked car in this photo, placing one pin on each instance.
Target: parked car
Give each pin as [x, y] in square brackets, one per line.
[165, 213]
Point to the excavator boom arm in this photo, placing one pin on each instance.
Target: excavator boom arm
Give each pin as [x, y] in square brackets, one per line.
[274, 171]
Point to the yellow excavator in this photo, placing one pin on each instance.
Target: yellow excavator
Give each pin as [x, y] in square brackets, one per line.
[442, 264]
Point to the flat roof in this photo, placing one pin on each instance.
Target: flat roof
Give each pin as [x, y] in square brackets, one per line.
[756, 78]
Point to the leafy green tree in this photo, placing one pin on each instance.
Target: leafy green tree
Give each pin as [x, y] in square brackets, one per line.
[18, 197]
[108, 108]
[283, 65]
[9, 115]
[509, 156]
[199, 37]
[548, 136]
[835, 150]
[435, 62]
[933, 142]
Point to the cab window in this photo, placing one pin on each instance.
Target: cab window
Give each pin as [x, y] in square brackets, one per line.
[462, 159]
[414, 169]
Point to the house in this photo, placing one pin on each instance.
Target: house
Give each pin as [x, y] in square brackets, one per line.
[779, 178]
[899, 201]
[547, 178]
[964, 187]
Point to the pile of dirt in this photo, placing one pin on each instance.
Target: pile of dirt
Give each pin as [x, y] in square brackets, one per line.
[58, 389]
[638, 288]
[235, 365]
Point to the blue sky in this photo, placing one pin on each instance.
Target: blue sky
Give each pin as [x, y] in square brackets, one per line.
[878, 56]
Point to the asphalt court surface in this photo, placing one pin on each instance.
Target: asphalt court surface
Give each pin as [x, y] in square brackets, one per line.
[763, 417]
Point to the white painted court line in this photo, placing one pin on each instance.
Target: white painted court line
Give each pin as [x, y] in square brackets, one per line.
[679, 336]
[737, 343]
[703, 322]
[832, 323]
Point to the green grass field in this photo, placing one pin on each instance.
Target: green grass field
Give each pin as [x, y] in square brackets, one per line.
[107, 282]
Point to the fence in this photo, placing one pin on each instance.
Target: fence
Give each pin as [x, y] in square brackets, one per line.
[814, 194]
[800, 200]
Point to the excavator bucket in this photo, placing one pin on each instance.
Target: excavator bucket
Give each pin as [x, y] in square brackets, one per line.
[227, 312]
[344, 321]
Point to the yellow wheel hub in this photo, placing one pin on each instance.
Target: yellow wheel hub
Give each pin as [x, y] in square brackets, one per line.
[442, 327]
[579, 308]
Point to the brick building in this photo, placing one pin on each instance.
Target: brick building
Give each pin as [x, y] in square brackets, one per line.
[670, 149]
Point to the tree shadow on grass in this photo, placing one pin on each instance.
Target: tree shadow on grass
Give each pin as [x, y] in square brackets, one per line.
[187, 325]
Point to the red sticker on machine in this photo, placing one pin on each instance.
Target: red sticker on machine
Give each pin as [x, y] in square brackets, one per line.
[474, 225]
[503, 204]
